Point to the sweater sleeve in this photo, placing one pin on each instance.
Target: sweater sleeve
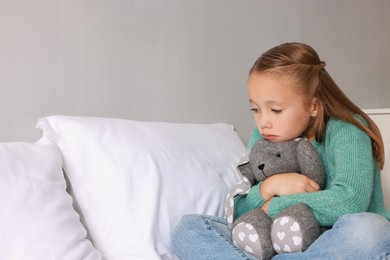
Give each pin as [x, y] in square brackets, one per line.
[349, 164]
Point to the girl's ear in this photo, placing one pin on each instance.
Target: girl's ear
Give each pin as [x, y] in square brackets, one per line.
[314, 107]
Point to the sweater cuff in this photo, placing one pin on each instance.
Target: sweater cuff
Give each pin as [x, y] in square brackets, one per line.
[254, 196]
[275, 206]
[244, 203]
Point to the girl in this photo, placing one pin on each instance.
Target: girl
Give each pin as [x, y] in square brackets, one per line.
[291, 94]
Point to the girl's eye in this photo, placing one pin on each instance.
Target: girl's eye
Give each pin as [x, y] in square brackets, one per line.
[276, 110]
[254, 110]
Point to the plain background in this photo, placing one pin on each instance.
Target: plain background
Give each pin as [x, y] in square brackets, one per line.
[174, 60]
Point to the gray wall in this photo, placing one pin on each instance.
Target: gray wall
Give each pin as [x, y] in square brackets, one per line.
[174, 60]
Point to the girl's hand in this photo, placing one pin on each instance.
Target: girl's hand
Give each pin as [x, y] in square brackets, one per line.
[287, 184]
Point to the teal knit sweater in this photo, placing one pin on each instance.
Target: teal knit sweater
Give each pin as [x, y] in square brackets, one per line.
[352, 185]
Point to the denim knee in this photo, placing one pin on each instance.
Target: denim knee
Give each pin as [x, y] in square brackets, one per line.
[187, 222]
[371, 229]
[363, 223]
[204, 237]
[179, 233]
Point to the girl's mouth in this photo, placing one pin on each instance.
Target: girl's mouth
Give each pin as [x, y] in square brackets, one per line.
[270, 137]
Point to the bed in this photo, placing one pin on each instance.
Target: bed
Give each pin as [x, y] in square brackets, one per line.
[107, 188]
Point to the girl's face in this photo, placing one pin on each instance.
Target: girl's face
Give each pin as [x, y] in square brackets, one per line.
[280, 112]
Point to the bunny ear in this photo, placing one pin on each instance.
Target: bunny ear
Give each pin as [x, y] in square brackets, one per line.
[245, 158]
[243, 168]
[243, 164]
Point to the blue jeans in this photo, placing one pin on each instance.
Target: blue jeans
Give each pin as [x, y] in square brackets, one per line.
[353, 236]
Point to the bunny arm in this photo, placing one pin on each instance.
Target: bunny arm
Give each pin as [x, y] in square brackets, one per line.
[241, 188]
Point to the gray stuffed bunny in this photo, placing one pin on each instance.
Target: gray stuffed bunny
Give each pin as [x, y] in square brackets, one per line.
[294, 228]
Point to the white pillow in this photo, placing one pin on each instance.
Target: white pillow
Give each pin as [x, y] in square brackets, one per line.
[37, 220]
[134, 180]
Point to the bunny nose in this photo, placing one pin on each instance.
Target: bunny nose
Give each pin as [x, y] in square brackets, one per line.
[261, 166]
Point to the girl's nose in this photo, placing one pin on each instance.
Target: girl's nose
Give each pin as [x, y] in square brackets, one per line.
[265, 122]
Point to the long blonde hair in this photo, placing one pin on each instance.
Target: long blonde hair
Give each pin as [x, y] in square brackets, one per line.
[300, 62]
